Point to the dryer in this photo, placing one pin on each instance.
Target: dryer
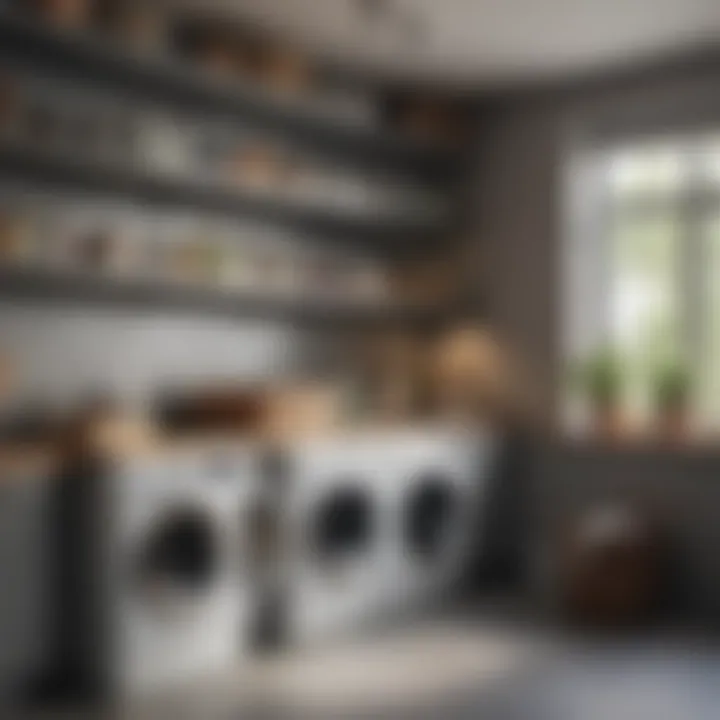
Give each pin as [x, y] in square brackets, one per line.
[441, 477]
[339, 539]
[166, 597]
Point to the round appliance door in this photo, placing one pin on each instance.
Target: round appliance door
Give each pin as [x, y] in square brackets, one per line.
[179, 558]
[432, 513]
[342, 526]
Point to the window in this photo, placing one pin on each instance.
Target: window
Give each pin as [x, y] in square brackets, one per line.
[642, 270]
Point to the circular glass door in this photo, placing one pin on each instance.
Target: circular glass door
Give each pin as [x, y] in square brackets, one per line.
[179, 557]
[342, 525]
[431, 509]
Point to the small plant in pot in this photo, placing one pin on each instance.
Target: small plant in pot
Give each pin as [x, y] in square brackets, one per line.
[602, 379]
[672, 390]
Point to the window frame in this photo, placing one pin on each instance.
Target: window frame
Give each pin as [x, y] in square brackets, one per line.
[586, 270]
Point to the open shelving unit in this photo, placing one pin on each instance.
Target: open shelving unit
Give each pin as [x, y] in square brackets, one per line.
[181, 87]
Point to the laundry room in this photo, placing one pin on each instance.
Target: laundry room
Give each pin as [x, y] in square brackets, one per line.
[358, 356]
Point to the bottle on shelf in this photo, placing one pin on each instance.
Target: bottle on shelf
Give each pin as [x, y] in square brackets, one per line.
[164, 145]
[285, 71]
[16, 238]
[260, 166]
[236, 265]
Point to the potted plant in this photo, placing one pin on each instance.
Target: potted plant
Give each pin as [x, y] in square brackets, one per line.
[602, 379]
[672, 387]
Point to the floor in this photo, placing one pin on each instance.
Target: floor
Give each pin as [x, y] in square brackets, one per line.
[465, 668]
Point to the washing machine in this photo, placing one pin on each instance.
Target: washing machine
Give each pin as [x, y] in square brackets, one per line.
[440, 476]
[339, 520]
[157, 591]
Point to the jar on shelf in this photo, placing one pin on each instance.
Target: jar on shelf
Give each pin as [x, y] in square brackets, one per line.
[237, 270]
[161, 249]
[368, 283]
[96, 251]
[259, 166]
[16, 238]
[286, 276]
[208, 253]
[163, 145]
[71, 224]
[286, 71]
[130, 235]
[189, 259]
[274, 270]
[327, 279]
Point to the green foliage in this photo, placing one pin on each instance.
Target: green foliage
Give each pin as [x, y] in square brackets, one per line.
[601, 376]
[671, 385]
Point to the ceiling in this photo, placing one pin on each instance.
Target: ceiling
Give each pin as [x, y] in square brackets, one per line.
[489, 42]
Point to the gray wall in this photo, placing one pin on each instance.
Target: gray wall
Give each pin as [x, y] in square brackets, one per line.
[678, 490]
[524, 138]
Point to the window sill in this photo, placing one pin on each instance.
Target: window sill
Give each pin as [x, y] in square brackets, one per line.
[693, 445]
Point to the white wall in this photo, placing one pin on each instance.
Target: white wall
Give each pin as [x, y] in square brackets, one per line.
[65, 354]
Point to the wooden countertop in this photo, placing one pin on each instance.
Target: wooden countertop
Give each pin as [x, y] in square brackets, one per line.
[21, 460]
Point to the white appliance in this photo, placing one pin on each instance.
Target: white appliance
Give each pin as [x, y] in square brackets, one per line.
[339, 540]
[441, 477]
[173, 596]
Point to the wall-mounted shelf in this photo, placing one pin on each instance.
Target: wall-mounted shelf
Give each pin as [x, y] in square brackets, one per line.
[29, 286]
[388, 234]
[182, 85]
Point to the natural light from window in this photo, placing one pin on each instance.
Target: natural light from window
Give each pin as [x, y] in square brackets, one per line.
[644, 261]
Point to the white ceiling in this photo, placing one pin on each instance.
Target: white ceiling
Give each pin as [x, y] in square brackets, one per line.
[488, 41]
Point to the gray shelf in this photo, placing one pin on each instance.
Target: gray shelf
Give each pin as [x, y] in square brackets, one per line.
[30, 286]
[381, 235]
[179, 84]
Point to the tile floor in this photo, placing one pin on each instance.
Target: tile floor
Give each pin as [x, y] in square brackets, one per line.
[465, 669]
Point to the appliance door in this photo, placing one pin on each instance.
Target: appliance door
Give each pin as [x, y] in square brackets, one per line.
[336, 566]
[178, 597]
[436, 527]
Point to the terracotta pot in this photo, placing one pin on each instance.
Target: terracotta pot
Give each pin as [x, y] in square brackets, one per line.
[608, 422]
[672, 423]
